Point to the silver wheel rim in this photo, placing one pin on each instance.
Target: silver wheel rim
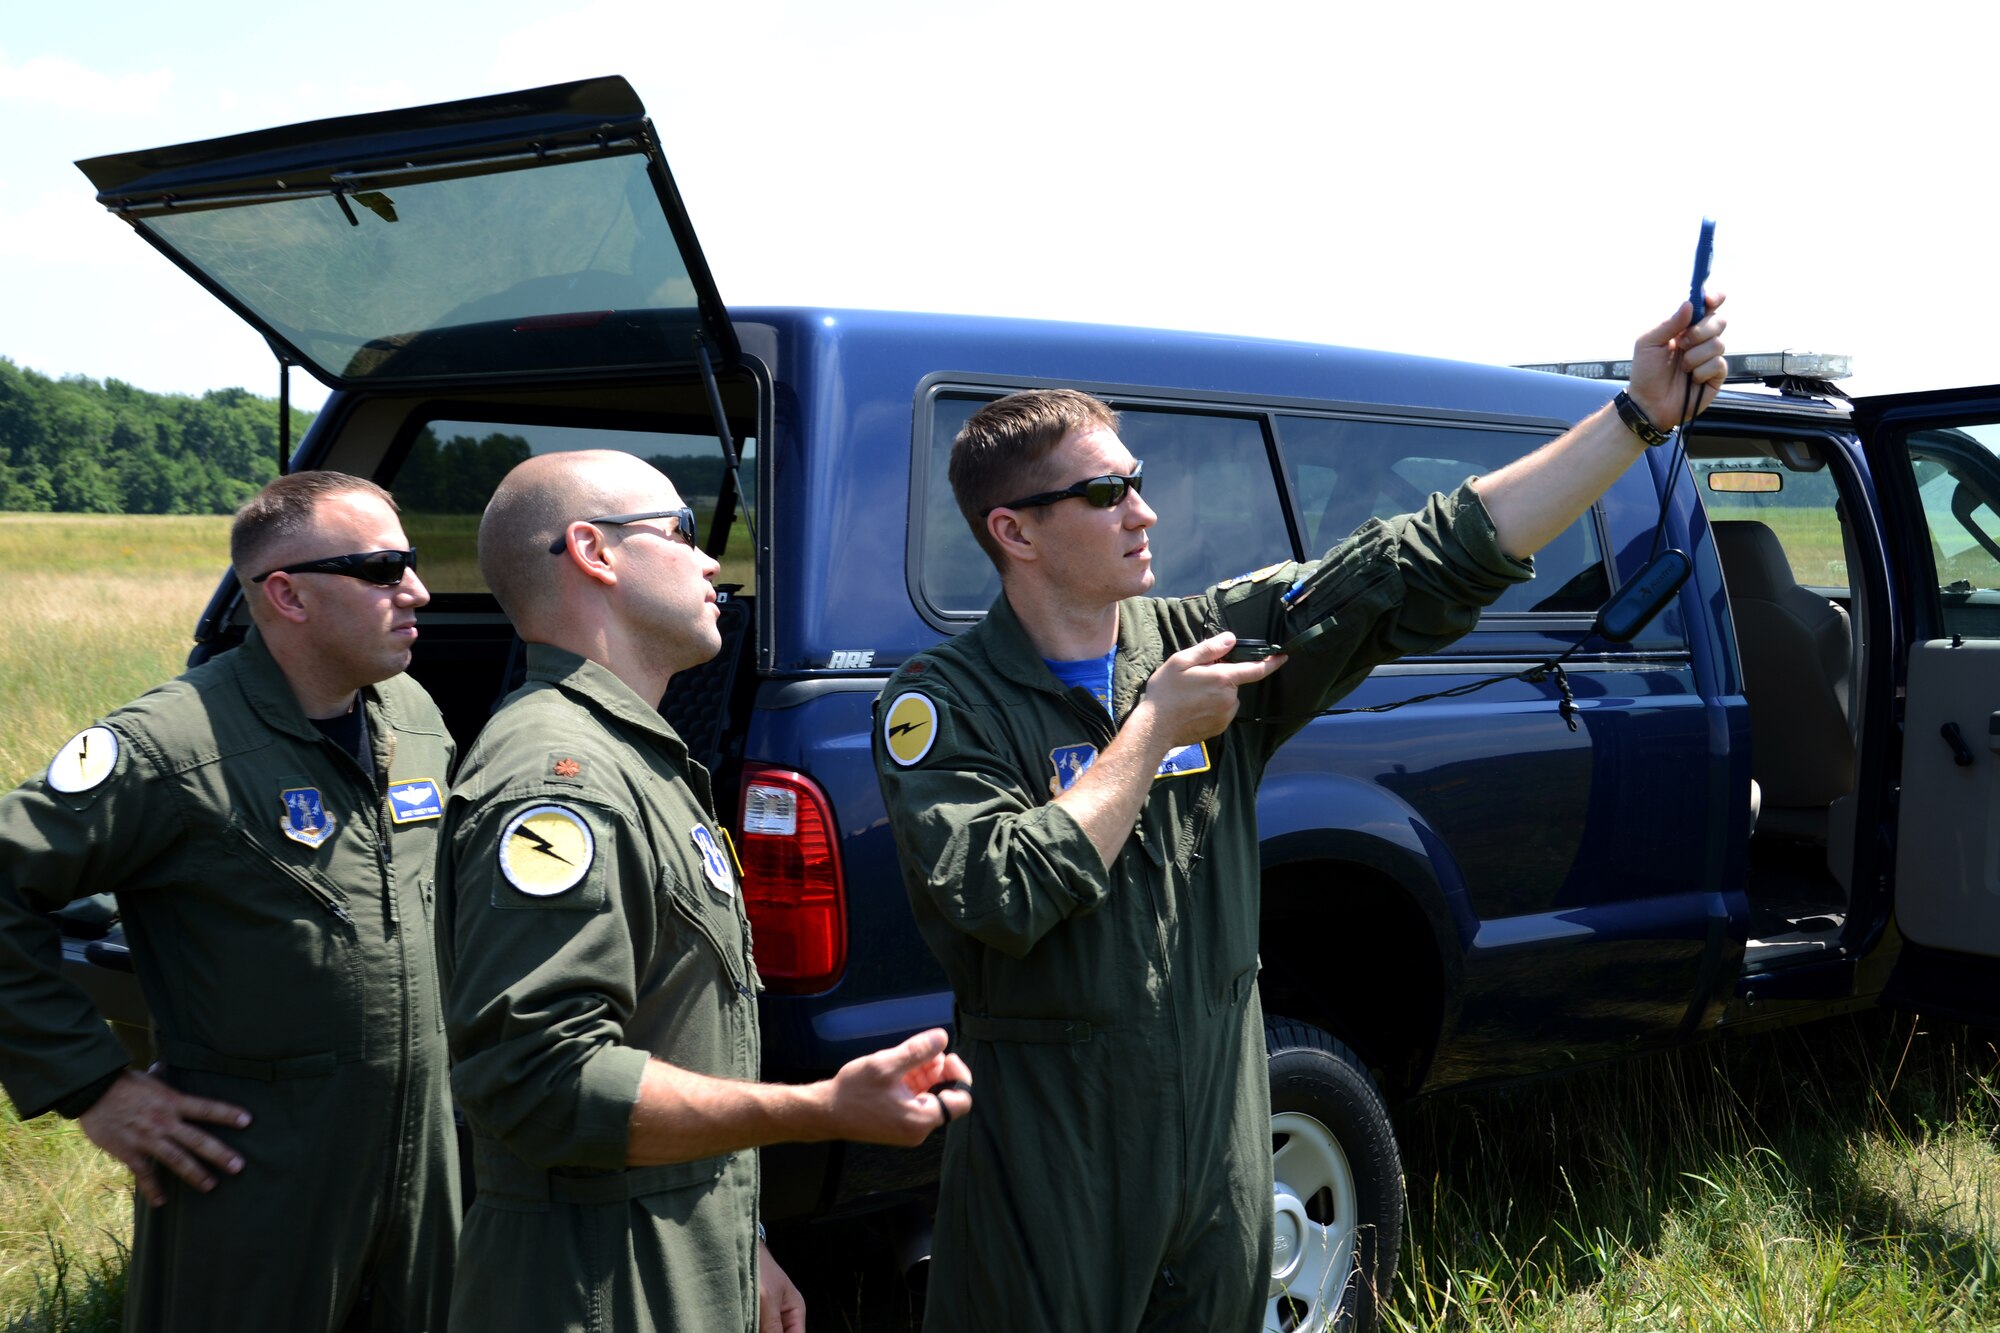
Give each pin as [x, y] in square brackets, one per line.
[1315, 1209]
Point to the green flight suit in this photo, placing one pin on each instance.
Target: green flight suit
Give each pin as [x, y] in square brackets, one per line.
[594, 921]
[1117, 1174]
[278, 901]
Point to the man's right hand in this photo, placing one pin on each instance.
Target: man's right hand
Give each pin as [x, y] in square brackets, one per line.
[886, 1097]
[1193, 693]
[142, 1122]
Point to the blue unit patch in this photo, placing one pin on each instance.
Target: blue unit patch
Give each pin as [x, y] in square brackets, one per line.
[1072, 762]
[1184, 759]
[306, 819]
[713, 863]
[414, 800]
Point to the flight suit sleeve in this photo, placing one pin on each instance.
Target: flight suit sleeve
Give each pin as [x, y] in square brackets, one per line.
[542, 977]
[1409, 584]
[999, 863]
[56, 846]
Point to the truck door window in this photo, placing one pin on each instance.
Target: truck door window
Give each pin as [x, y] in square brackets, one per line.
[1958, 483]
[451, 468]
[1345, 471]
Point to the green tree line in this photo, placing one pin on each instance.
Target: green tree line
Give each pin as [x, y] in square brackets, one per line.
[77, 445]
[457, 474]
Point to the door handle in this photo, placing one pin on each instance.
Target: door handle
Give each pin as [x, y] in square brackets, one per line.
[1960, 753]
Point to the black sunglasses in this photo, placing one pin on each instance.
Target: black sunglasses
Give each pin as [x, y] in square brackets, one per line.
[684, 529]
[383, 567]
[1102, 492]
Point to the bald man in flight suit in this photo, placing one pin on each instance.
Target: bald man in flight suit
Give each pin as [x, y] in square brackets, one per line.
[601, 989]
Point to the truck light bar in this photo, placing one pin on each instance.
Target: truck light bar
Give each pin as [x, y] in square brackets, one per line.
[1746, 368]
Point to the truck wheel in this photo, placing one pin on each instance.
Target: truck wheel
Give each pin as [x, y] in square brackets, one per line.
[1337, 1185]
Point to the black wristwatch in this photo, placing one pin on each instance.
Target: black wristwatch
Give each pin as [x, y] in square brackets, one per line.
[1636, 420]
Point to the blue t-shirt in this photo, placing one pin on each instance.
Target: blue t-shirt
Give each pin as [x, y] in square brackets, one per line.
[1092, 673]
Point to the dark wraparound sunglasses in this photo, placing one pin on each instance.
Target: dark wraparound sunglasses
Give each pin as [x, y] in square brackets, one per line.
[1102, 492]
[684, 529]
[383, 567]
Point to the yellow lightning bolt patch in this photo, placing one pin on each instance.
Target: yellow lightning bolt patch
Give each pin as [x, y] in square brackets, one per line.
[546, 850]
[909, 728]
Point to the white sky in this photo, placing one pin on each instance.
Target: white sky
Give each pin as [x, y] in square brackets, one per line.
[1496, 182]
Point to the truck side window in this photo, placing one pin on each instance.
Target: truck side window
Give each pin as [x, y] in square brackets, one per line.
[451, 468]
[1345, 471]
[1957, 476]
[1208, 476]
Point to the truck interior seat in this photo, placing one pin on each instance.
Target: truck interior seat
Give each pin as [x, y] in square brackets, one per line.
[1797, 655]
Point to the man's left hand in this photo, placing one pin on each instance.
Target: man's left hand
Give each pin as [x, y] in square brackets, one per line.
[1668, 352]
[780, 1308]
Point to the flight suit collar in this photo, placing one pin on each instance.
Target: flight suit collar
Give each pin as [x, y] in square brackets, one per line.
[601, 688]
[1140, 650]
[270, 694]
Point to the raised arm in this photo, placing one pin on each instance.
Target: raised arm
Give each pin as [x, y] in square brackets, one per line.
[1533, 499]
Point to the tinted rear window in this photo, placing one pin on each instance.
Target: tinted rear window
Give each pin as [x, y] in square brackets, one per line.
[452, 467]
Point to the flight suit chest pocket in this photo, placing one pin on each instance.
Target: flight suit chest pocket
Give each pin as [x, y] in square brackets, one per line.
[712, 926]
[293, 870]
[297, 941]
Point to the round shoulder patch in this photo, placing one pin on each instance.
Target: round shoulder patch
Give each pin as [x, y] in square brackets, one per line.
[909, 728]
[546, 850]
[85, 760]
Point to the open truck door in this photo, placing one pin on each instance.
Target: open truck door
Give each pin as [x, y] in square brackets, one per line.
[1936, 463]
[527, 234]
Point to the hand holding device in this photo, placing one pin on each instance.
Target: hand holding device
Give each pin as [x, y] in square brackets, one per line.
[1703, 250]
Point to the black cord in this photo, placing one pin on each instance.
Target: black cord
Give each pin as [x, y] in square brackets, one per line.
[1533, 675]
[1676, 462]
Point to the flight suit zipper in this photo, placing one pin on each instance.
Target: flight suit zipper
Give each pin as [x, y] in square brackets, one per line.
[318, 892]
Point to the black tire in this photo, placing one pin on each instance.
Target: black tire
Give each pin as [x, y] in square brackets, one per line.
[1314, 1075]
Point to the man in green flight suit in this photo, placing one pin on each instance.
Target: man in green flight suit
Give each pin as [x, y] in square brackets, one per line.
[1073, 794]
[268, 823]
[600, 991]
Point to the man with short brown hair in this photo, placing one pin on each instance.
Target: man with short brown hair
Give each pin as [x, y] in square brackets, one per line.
[1073, 794]
[267, 821]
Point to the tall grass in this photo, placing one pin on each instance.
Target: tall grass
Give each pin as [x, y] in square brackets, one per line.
[65, 1227]
[99, 608]
[1841, 1176]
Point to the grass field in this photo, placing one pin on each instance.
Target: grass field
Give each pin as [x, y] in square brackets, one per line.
[1838, 1178]
[102, 608]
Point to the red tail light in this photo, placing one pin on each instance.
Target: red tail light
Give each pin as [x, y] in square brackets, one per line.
[792, 885]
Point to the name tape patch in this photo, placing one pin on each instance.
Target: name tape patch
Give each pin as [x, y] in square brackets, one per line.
[414, 800]
[1184, 759]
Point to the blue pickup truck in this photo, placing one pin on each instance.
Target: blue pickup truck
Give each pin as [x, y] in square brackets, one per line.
[1774, 802]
